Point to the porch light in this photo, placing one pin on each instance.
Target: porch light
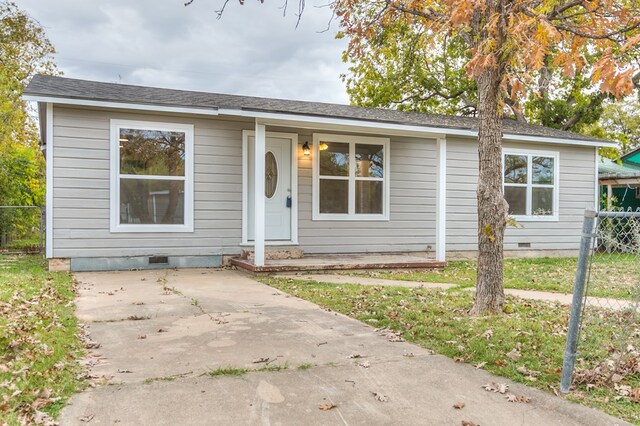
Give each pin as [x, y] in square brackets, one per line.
[323, 146]
[305, 149]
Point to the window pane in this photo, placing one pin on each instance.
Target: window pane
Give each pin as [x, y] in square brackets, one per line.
[150, 201]
[542, 201]
[515, 169]
[368, 197]
[334, 160]
[270, 175]
[516, 196]
[542, 170]
[152, 152]
[369, 160]
[334, 196]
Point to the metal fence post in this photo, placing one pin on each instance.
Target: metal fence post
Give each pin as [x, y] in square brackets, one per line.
[571, 346]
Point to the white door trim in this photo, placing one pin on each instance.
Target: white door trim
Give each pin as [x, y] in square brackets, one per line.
[294, 187]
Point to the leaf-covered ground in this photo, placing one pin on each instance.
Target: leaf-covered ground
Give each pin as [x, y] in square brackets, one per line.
[616, 276]
[525, 345]
[39, 341]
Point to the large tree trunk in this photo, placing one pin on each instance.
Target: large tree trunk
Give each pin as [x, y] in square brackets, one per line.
[492, 207]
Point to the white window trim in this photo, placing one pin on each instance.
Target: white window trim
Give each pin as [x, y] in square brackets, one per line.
[116, 226]
[529, 185]
[351, 140]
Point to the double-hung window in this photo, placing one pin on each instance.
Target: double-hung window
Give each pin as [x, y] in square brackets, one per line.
[151, 177]
[530, 182]
[350, 178]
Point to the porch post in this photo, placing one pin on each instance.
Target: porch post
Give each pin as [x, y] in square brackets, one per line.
[259, 151]
[609, 195]
[441, 201]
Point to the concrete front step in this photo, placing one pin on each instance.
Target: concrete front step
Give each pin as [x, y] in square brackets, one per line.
[274, 253]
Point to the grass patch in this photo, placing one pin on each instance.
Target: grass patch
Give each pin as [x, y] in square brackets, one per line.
[39, 344]
[614, 276]
[275, 367]
[525, 345]
[305, 366]
[239, 372]
[228, 371]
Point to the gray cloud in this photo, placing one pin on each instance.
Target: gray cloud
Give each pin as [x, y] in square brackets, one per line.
[252, 50]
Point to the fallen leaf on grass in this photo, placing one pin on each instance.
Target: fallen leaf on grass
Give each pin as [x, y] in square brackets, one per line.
[41, 418]
[458, 359]
[3, 368]
[496, 387]
[524, 370]
[514, 355]
[327, 406]
[488, 334]
[481, 365]
[459, 405]
[517, 398]
[380, 397]
[634, 395]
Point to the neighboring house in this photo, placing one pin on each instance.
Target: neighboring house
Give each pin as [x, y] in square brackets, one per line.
[620, 181]
[137, 175]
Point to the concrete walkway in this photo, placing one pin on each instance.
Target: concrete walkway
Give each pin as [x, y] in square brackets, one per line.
[161, 333]
[564, 299]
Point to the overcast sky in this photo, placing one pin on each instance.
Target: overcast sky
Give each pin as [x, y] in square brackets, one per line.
[252, 50]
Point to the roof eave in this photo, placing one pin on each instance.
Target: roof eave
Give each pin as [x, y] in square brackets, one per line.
[277, 118]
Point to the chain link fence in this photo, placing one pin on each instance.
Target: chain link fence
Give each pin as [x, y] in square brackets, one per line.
[603, 340]
[21, 229]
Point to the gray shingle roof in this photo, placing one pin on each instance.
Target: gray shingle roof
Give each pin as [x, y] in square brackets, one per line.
[62, 87]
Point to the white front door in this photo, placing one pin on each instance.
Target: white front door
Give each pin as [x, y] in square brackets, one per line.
[277, 178]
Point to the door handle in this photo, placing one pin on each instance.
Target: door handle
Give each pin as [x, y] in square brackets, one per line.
[289, 201]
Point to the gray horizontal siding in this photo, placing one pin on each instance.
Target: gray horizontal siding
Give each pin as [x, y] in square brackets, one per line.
[81, 204]
[412, 205]
[81, 188]
[577, 186]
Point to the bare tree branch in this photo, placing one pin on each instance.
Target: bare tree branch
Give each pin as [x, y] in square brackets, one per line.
[221, 10]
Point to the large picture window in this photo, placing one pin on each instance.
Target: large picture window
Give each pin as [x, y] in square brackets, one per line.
[530, 182]
[151, 177]
[351, 178]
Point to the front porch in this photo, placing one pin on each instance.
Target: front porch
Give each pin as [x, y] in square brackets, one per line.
[345, 197]
[335, 262]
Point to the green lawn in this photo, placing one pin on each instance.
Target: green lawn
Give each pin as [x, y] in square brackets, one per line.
[525, 345]
[39, 344]
[612, 276]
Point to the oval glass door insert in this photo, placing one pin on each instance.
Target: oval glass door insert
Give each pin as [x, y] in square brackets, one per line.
[270, 175]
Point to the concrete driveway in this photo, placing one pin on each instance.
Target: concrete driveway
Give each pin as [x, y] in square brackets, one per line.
[162, 333]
